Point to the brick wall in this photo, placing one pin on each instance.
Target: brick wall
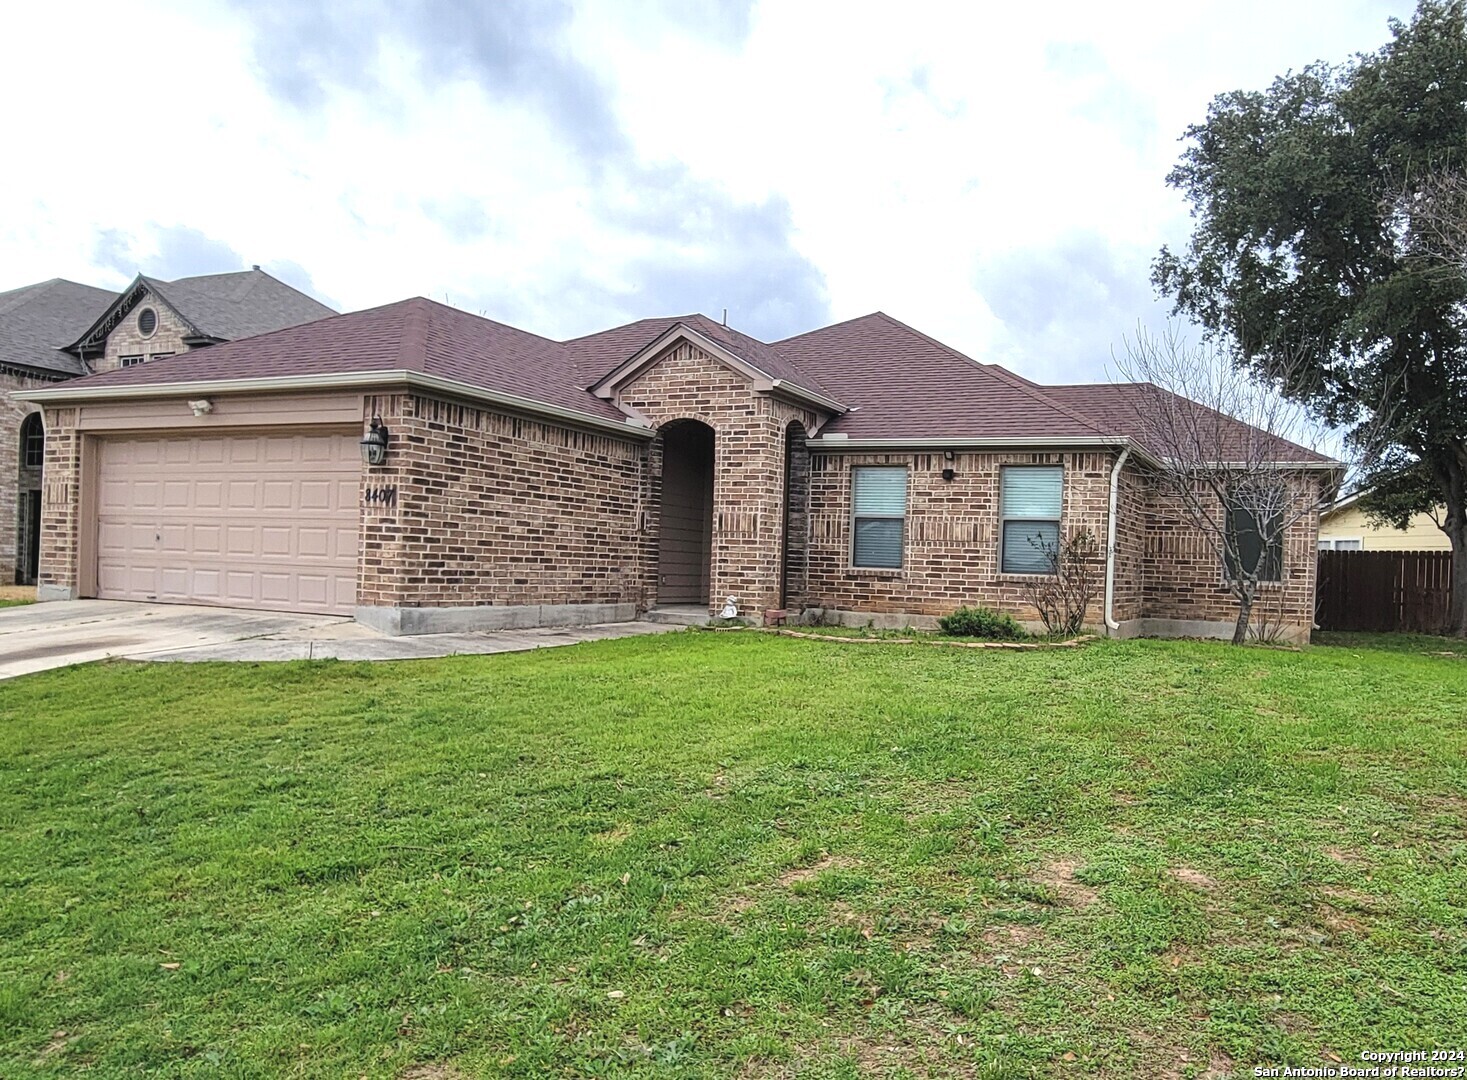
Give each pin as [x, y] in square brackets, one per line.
[1132, 497]
[1164, 569]
[60, 501]
[15, 479]
[749, 466]
[127, 340]
[493, 509]
[951, 556]
[1184, 578]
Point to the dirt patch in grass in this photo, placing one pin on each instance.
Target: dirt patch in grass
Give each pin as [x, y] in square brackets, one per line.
[797, 875]
[1011, 935]
[1346, 900]
[1343, 857]
[1059, 875]
[430, 1070]
[1193, 879]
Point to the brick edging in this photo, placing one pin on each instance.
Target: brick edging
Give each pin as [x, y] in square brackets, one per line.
[1072, 643]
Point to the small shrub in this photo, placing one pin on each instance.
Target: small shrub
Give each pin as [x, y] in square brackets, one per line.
[1063, 596]
[980, 622]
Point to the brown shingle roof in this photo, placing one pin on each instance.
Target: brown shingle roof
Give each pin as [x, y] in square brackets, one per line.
[410, 335]
[1118, 408]
[597, 355]
[900, 383]
[897, 382]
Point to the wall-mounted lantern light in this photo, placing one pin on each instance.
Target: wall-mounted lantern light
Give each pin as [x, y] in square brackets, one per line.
[374, 443]
[948, 471]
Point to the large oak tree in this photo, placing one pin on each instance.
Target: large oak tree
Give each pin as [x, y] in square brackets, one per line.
[1306, 239]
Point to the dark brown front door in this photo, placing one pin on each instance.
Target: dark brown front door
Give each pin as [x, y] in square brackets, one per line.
[30, 563]
[685, 540]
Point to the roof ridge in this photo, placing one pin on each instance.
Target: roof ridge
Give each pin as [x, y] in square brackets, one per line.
[412, 346]
[475, 315]
[672, 320]
[1007, 377]
[830, 326]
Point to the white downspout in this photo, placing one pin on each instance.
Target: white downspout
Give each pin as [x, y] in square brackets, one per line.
[1110, 543]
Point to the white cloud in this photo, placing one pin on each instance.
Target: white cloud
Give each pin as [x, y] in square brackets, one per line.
[992, 178]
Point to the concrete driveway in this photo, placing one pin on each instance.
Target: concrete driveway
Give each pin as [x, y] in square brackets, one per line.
[41, 636]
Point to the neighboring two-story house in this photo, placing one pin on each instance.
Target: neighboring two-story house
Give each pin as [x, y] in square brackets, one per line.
[57, 330]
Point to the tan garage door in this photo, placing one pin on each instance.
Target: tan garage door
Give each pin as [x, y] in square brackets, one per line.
[264, 521]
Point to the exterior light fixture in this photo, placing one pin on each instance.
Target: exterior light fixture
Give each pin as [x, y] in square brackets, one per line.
[948, 471]
[374, 443]
[201, 407]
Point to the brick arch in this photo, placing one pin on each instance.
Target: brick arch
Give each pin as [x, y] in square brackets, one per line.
[746, 553]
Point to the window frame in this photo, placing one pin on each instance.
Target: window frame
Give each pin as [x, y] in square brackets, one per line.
[1004, 519]
[159, 356]
[856, 518]
[33, 437]
[1334, 543]
[148, 310]
[129, 361]
[1229, 576]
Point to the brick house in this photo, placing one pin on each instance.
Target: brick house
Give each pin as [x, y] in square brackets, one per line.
[58, 330]
[864, 469]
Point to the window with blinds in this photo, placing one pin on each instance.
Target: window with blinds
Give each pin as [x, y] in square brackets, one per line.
[1250, 542]
[1029, 500]
[880, 513]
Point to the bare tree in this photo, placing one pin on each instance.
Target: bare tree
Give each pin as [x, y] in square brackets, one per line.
[1063, 596]
[1242, 463]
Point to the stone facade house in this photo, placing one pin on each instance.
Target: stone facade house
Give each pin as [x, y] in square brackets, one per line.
[424, 469]
[58, 330]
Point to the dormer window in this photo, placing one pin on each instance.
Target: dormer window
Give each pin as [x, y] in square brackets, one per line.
[147, 322]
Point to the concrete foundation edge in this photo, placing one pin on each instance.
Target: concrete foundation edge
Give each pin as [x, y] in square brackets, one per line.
[1216, 630]
[1130, 628]
[55, 592]
[398, 622]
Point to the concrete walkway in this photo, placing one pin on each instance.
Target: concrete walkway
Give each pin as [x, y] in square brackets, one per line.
[351, 641]
[41, 636]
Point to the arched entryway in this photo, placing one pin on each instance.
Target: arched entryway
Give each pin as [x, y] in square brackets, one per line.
[685, 532]
[795, 564]
[28, 489]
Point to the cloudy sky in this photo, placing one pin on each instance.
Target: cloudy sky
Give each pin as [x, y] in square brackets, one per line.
[992, 174]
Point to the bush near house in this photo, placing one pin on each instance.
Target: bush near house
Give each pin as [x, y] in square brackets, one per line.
[981, 622]
[709, 855]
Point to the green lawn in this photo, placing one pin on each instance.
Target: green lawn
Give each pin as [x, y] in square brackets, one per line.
[736, 855]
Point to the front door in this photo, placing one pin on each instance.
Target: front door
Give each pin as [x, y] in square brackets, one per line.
[30, 545]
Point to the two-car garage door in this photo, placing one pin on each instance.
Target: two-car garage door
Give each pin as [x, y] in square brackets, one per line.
[264, 521]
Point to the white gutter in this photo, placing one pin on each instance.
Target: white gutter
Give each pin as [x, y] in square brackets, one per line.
[837, 441]
[810, 397]
[411, 380]
[1110, 542]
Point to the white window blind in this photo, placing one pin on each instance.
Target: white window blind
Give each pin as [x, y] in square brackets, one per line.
[1030, 498]
[880, 509]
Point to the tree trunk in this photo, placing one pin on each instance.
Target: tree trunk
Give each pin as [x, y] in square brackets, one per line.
[1245, 612]
[1454, 524]
[1457, 614]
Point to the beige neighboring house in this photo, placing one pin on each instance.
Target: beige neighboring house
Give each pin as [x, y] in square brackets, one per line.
[1344, 527]
[55, 331]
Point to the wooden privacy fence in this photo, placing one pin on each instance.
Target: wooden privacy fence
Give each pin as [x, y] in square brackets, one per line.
[1384, 590]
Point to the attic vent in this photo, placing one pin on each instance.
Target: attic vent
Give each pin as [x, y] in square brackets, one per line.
[147, 322]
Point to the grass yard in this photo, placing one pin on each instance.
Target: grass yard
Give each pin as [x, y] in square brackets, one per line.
[16, 595]
[736, 855]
